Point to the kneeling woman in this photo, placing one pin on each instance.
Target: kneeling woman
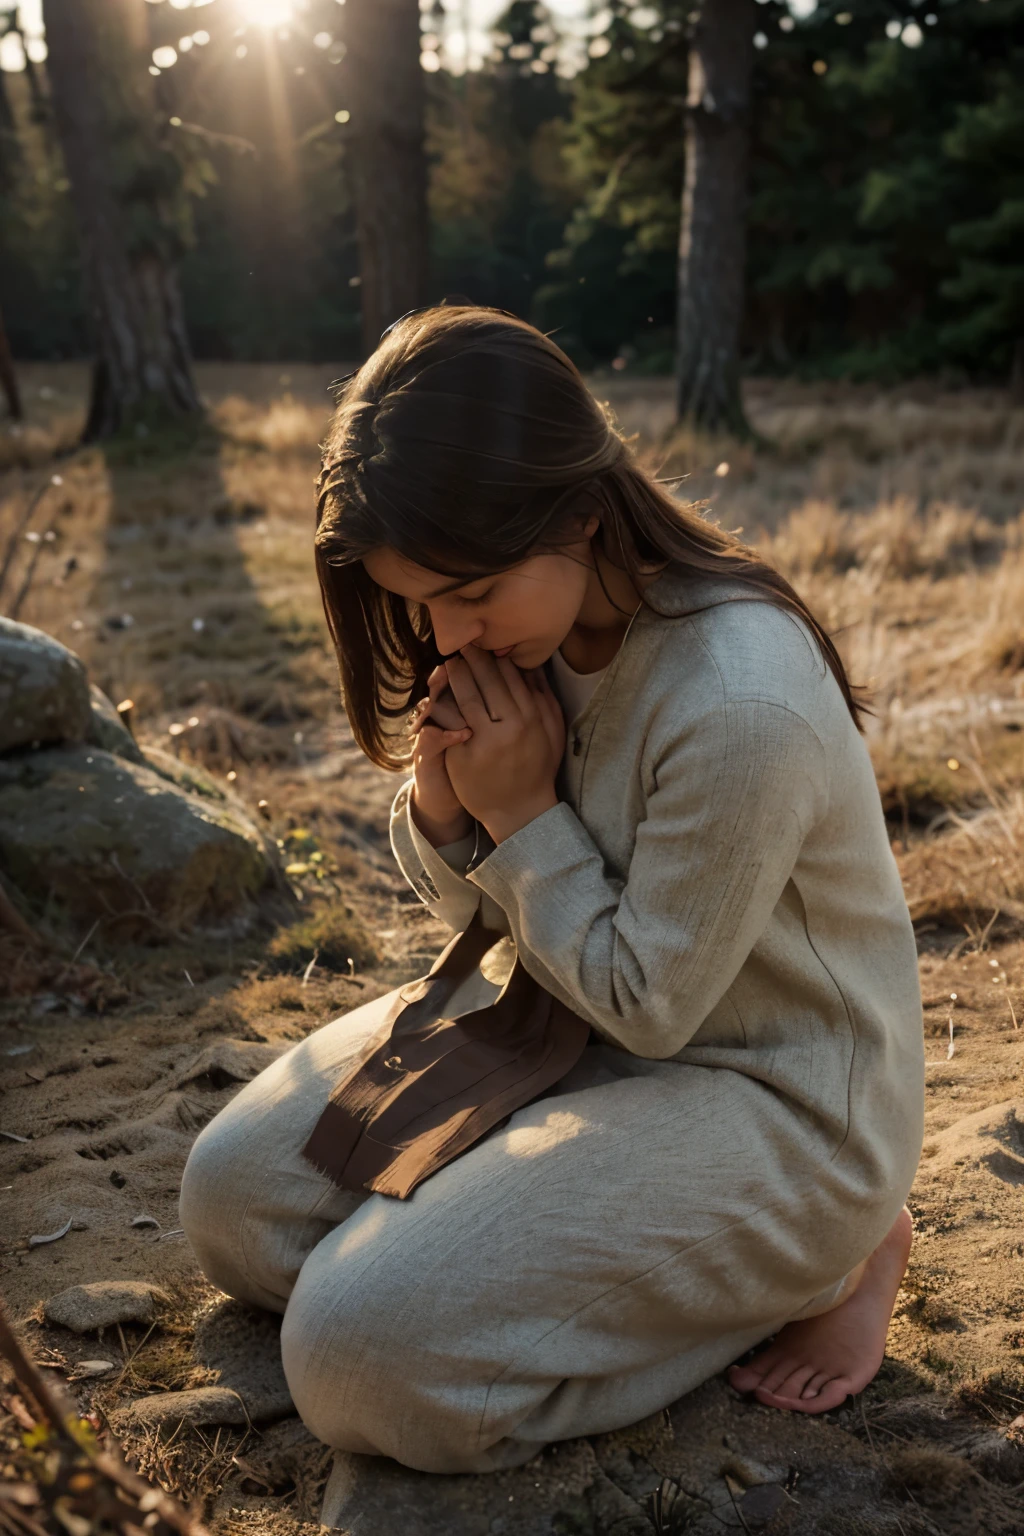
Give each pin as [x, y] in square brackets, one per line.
[706, 1134]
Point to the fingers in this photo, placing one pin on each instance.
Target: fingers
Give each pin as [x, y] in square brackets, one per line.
[437, 682]
[432, 741]
[517, 685]
[491, 681]
[498, 681]
[418, 716]
[445, 712]
[480, 695]
[467, 695]
[437, 685]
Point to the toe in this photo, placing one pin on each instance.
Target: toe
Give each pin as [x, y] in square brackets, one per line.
[796, 1382]
[772, 1380]
[746, 1377]
[813, 1385]
[835, 1391]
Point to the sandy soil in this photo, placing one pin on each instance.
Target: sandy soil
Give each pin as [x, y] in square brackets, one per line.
[108, 1072]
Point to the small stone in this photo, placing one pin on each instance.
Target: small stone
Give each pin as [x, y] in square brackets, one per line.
[761, 1504]
[108, 730]
[86, 1370]
[197, 1405]
[749, 1472]
[102, 1303]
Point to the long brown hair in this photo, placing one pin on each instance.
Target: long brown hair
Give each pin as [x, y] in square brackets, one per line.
[467, 442]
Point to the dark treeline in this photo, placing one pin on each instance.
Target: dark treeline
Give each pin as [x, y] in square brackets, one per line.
[886, 216]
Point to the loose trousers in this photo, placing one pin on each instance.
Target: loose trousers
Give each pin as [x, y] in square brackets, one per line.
[609, 1248]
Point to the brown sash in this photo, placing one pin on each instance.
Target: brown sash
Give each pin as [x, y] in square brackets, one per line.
[431, 1086]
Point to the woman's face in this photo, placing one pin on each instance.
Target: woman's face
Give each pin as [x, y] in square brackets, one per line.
[525, 612]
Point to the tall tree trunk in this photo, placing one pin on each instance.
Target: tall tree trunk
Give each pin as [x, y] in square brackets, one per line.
[385, 158]
[7, 127]
[8, 378]
[37, 95]
[123, 187]
[712, 244]
[10, 148]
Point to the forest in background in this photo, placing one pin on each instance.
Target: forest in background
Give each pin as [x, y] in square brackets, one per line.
[886, 219]
[267, 186]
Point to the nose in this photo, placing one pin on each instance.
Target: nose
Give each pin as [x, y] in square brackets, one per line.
[450, 635]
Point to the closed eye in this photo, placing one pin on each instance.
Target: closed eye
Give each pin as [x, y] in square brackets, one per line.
[472, 601]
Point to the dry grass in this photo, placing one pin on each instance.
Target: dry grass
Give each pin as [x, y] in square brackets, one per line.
[331, 937]
[973, 873]
[188, 585]
[899, 515]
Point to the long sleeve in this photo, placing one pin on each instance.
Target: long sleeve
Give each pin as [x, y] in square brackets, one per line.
[731, 795]
[437, 874]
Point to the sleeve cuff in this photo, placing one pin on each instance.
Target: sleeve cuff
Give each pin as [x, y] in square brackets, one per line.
[456, 855]
[547, 846]
[438, 875]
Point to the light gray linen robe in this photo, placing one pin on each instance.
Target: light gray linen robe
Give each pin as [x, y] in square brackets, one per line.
[716, 894]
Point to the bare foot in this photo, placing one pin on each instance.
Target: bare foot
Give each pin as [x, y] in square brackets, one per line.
[813, 1365]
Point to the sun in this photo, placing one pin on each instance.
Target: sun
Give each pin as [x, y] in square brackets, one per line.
[267, 13]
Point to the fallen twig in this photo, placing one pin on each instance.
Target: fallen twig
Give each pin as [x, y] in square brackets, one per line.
[14, 542]
[74, 1478]
[85, 941]
[12, 920]
[48, 538]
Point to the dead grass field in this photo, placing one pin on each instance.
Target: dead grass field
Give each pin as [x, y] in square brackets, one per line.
[188, 586]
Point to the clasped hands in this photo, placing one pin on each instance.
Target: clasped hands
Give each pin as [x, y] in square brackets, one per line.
[503, 772]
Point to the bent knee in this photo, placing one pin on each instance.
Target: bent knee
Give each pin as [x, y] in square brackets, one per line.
[367, 1374]
[210, 1193]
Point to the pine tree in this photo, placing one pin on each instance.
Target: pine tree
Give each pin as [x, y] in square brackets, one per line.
[611, 289]
[125, 188]
[988, 143]
[8, 377]
[386, 159]
[862, 173]
[712, 241]
[499, 191]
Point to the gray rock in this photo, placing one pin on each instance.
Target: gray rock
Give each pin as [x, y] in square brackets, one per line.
[108, 730]
[44, 695]
[102, 1303]
[110, 837]
[750, 1472]
[563, 1489]
[760, 1505]
[840, 1478]
[243, 1346]
[197, 1405]
[187, 776]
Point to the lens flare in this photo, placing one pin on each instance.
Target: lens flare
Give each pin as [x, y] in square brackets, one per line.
[267, 13]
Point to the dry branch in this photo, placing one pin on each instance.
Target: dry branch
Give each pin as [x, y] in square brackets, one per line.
[12, 920]
[70, 1483]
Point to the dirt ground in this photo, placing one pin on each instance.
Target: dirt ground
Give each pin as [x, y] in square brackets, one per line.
[186, 584]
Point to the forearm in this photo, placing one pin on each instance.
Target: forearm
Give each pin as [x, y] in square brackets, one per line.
[437, 832]
[439, 884]
[646, 959]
